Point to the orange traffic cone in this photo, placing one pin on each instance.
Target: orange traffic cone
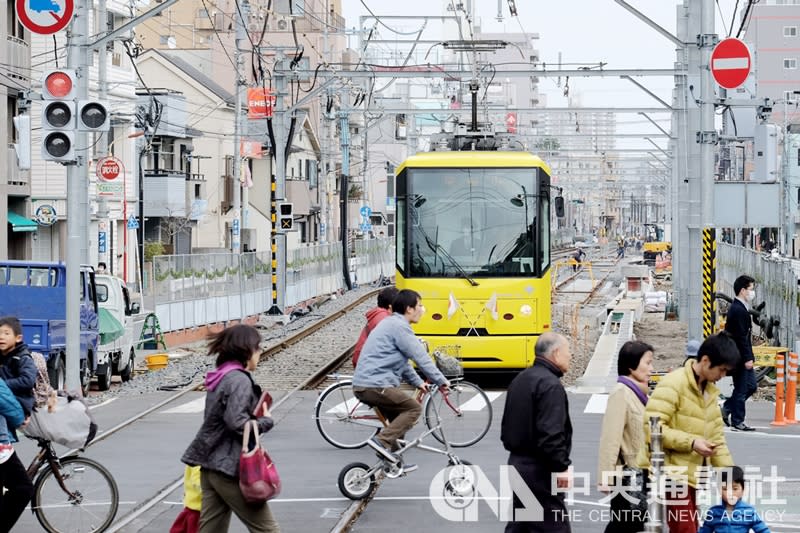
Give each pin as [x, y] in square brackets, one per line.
[779, 383]
[791, 392]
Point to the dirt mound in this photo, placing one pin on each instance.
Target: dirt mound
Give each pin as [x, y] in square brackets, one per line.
[668, 338]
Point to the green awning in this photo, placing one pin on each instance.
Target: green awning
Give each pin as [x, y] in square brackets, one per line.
[110, 328]
[20, 223]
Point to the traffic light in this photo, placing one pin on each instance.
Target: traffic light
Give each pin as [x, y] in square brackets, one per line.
[23, 145]
[58, 115]
[285, 216]
[93, 116]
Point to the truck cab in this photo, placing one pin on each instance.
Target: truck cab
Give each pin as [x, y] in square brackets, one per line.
[118, 318]
[36, 293]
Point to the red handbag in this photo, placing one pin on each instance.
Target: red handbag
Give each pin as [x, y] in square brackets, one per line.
[258, 477]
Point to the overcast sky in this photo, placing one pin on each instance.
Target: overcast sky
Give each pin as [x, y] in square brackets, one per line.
[584, 31]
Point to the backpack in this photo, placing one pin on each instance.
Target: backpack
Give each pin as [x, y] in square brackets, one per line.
[42, 390]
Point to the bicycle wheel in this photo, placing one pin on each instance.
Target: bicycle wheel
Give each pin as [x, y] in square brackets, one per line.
[465, 420]
[92, 506]
[342, 420]
[355, 482]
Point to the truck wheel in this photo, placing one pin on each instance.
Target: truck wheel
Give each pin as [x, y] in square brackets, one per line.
[57, 373]
[127, 373]
[104, 379]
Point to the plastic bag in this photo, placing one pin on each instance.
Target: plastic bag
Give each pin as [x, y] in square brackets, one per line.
[69, 423]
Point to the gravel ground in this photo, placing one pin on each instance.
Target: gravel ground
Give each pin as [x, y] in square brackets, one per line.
[283, 371]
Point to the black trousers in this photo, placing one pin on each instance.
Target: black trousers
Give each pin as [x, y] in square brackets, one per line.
[622, 520]
[20, 491]
[554, 511]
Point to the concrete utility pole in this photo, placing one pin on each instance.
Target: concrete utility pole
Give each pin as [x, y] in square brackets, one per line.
[77, 196]
[241, 35]
[102, 93]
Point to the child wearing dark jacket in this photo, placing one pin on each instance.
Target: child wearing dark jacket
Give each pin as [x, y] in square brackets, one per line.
[733, 515]
[18, 371]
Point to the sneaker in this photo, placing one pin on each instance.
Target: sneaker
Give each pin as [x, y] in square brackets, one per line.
[6, 451]
[410, 467]
[743, 427]
[383, 453]
[726, 415]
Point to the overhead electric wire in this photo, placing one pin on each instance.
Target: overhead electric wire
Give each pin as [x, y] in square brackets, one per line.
[733, 17]
[379, 21]
[746, 17]
[216, 32]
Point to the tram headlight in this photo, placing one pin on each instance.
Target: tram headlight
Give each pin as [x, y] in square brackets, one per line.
[525, 310]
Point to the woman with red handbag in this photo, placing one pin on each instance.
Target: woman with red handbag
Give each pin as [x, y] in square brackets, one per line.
[232, 401]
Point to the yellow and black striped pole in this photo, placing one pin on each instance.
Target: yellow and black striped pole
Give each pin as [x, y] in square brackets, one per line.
[709, 279]
[273, 214]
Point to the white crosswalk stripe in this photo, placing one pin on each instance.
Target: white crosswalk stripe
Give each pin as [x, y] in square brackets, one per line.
[194, 406]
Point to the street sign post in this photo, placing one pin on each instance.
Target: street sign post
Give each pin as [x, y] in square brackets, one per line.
[45, 16]
[731, 62]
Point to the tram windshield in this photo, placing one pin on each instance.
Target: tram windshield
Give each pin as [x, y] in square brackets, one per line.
[473, 222]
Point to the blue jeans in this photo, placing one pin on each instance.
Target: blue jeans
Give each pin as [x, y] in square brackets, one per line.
[744, 385]
[5, 436]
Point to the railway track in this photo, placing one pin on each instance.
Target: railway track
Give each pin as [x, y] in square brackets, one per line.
[299, 379]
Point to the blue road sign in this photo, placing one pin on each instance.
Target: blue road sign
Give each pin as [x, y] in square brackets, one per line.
[365, 211]
[101, 242]
[133, 223]
[236, 226]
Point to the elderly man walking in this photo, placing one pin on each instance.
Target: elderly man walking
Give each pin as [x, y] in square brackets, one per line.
[537, 432]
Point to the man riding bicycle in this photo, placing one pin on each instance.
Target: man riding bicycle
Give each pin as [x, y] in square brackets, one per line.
[384, 362]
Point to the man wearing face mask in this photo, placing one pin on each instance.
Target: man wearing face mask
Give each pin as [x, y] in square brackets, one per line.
[739, 324]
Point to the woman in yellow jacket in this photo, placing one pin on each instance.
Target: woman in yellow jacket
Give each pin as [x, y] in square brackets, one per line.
[692, 430]
[622, 435]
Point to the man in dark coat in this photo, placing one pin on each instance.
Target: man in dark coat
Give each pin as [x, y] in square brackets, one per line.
[740, 325]
[537, 432]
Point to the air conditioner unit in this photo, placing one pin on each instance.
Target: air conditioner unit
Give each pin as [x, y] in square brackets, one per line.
[280, 23]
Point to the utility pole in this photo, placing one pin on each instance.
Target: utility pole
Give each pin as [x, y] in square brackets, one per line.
[102, 93]
[77, 196]
[241, 36]
[278, 244]
[344, 185]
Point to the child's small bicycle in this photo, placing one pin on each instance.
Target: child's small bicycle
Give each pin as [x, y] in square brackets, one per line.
[357, 480]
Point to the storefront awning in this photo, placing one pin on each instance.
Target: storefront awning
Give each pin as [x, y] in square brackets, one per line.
[20, 223]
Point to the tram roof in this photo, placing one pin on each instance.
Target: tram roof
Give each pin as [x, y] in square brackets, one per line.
[464, 159]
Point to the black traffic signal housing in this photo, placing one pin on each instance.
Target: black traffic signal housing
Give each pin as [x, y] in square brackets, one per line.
[285, 216]
[58, 115]
[93, 116]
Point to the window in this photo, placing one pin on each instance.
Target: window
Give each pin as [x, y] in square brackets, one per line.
[202, 14]
[11, 109]
[102, 292]
[15, 27]
[791, 96]
[790, 63]
[164, 39]
[790, 31]
[197, 191]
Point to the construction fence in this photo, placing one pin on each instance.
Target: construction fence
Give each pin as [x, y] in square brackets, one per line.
[776, 284]
[198, 289]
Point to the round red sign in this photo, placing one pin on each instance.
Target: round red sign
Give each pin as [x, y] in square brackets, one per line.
[109, 168]
[730, 63]
[45, 16]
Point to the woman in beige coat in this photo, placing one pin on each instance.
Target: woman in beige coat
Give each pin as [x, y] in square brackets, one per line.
[622, 433]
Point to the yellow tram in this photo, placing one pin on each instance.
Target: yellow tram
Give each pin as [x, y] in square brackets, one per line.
[473, 238]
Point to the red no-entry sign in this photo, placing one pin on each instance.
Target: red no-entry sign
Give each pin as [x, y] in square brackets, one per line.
[730, 63]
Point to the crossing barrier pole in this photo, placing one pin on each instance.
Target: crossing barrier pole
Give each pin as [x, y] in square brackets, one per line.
[791, 392]
[779, 390]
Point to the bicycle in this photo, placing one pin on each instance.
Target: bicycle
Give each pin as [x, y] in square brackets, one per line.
[71, 494]
[357, 480]
[346, 423]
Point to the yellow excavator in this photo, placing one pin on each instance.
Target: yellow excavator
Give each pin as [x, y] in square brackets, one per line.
[654, 244]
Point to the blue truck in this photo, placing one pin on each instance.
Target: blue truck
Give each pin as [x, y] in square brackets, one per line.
[36, 293]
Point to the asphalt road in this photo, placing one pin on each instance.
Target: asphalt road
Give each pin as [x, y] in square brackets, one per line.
[145, 457]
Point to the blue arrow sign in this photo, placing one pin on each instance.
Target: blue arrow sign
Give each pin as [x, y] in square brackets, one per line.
[365, 211]
[133, 223]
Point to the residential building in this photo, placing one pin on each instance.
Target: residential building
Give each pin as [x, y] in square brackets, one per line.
[48, 183]
[15, 186]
